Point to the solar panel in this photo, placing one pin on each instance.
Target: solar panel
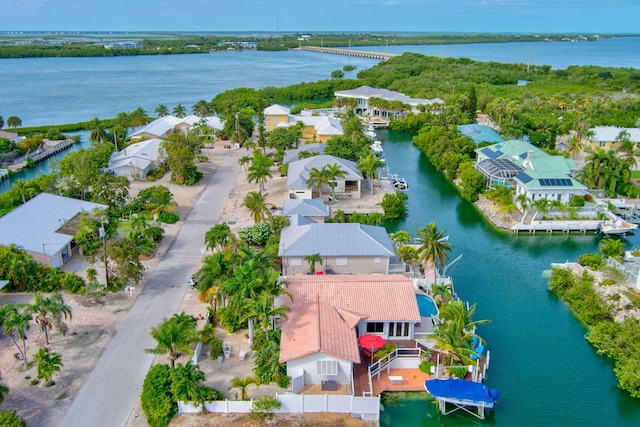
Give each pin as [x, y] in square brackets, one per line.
[490, 153]
[555, 182]
[523, 177]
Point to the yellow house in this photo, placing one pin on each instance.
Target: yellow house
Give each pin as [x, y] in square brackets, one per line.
[609, 137]
[320, 128]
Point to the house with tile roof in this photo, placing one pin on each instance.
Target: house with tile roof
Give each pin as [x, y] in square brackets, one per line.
[348, 186]
[320, 128]
[319, 340]
[137, 160]
[45, 227]
[608, 137]
[344, 248]
[363, 94]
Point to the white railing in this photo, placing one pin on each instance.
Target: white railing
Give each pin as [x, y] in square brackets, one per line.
[386, 362]
[366, 408]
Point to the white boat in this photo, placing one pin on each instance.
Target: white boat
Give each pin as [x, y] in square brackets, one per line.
[370, 132]
[376, 147]
[401, 184]
[616, 227]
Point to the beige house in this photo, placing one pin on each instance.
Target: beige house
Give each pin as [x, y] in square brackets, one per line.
[344, 249]
[349, 185]
[608, 137]
[320, 128]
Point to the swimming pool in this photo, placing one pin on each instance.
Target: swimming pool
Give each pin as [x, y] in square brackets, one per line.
[426, 305]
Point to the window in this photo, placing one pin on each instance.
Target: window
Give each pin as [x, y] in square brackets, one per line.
[341, 261]
[375, 327]
[377, 260]
[295, 260]
[327, 367]
[399, 329]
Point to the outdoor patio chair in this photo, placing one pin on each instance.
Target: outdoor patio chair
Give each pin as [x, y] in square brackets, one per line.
[226, 349]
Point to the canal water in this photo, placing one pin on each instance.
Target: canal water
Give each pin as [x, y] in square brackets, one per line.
[546, 371]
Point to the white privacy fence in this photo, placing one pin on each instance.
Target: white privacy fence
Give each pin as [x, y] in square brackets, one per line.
[366, 408]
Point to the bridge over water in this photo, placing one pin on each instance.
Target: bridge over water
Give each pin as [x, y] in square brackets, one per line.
[350, 52]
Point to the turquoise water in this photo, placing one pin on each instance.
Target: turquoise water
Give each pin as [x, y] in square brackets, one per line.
[546, 371]
[426, 306]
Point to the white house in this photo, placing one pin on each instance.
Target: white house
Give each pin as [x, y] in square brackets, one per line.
[364, 93]
[137, 160]
[327, 315]
[350, 185]
[38, 227]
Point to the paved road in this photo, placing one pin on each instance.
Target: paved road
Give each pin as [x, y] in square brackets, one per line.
[113, 387]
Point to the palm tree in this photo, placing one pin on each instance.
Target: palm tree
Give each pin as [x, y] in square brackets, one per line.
[401, 237]
[97, 130]
[174, 336]
[435, 247]
[257, 204]
[138, 117]
[162, 201]
[15, 322]
[179, 111]
[49, 312]
[201, 108]
[313, 259]
[162, 110]
[259, 170]
[47, 364]
[217, 237]
[369, 166]
[186, 382]
[25, 188]
[242, 384]
[334, 171]
[244, 161]
[318, 178]
[261, 310]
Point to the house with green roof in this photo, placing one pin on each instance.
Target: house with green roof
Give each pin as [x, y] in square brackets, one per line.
[529, 171]
[480, 133]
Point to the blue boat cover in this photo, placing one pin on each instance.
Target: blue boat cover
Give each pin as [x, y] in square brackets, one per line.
[461, 390]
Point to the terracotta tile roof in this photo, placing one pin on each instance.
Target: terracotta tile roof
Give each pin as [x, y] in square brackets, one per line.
[318, 327]
[373, 297]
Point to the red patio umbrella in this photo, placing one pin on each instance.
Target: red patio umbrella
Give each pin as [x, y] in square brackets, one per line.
[371, 342]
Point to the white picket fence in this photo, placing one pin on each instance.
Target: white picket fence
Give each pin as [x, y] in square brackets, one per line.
[366, 408]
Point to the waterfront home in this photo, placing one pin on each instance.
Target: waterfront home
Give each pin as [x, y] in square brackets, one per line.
[364, 107]
[294, 154]
[313, 209]
[167, 125]
[45, 227]
[349, 185]
[319, 128]
[344, 249]
[137, 160]
[319, 341]
[610, 137]
[11, 136]
[480, 133]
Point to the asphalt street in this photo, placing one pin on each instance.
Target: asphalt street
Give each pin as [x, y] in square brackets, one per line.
[113, 387]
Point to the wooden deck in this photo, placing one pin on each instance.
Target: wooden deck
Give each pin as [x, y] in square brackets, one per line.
[412, 380]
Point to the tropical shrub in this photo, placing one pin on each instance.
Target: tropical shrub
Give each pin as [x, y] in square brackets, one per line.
[593, 261]
[168, 218]
[394, 205]
[264, 406]
[255, 235]
[156, 400]
[458, 372]
[215, 348]
[426, 366]
[10, 418]
[577, 201]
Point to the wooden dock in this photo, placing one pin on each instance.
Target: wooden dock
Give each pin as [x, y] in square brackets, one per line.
[557, 226]
[349, 52]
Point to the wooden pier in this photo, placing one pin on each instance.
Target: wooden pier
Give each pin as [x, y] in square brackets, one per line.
[349, 52]
[557, 226]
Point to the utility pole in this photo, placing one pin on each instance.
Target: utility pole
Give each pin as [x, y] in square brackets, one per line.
[102, 233]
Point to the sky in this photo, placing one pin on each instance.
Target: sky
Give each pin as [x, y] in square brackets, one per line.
[486, 16]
